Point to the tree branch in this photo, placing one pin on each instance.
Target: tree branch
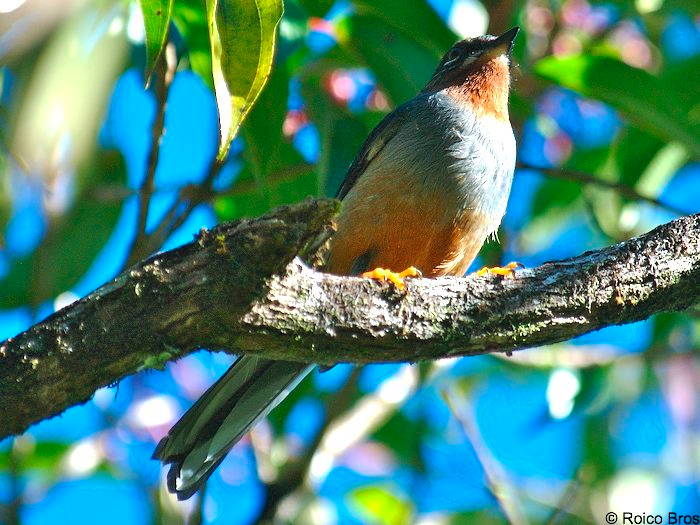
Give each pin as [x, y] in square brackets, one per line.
[240, 287]
[586, 178]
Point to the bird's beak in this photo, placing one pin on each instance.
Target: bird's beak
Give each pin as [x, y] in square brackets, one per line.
[502, 44]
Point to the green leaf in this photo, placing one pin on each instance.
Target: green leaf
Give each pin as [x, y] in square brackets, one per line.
[274, 173]
[403, 436]
[190, 19]
[342, 134]
[278, 416]
[662, 168]
[480, 517]
[242, 34]
[633, 150]
[401, 42]
[156, 20]
[649, 102]
[285, 188]
[267, 150]
[416, 21]
[381, 505]
[5, 200]
[44, 455]
[71, 242]
[317, 7]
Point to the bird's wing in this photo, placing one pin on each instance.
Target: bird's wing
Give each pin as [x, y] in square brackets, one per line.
[380, 136]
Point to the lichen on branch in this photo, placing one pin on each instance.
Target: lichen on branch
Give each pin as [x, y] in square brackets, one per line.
[242, 288]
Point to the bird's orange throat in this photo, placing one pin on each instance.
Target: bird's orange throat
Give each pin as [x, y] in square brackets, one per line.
[484, 86]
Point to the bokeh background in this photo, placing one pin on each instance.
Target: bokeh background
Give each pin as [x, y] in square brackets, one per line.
[606, 108]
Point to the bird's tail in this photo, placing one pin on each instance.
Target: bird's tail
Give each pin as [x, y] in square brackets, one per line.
[200, 440]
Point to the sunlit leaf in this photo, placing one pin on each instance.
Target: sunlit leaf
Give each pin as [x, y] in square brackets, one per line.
[656, 106]
[156, 20]
[661, 169]
[242, 35]
[381, 505]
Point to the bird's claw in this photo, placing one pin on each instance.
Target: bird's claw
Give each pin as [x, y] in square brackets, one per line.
[507, 271]
[397, 279]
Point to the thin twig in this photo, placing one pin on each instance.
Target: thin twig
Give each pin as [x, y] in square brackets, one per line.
[497, 481]
[587, 178]
[164, 74]
[190, 196]
[562, 510]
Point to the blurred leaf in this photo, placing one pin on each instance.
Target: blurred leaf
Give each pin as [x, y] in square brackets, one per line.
[274, 173]
[401, 64]
[278, 416]
[667, 161]
[242, 35]
[45, 455]
[416, 21]
[317, 8]
[554, 195]
[60, 111]
[689, 6]
[592, 397]
[679, 74]
[267, 149]
[633, 151]
[342, 134]
[557, 194]
[598, 460]
[71, 242]
[664, 324]
[285, 187]
[403, 435]
[5, 196]
[381, 505]
[190, 19]
[646, 100]
[479, 517]
[156, 20]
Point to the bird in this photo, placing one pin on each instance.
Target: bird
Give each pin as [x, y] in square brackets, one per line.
[429, 185]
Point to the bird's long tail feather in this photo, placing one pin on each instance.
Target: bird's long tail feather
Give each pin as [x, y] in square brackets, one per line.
[200, 440]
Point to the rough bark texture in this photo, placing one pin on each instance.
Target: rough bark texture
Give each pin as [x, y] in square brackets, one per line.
[241, 288]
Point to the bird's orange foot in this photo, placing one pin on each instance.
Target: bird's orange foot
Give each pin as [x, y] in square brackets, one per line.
[507, 271]
[382, 274]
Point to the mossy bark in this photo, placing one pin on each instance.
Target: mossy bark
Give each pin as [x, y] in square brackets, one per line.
[241, 288]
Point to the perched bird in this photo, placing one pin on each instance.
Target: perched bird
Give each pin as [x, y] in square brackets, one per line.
[429, 185]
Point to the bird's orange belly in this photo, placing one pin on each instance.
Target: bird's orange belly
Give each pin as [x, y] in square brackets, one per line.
[420, 233]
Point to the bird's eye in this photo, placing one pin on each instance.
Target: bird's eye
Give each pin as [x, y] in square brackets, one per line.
[453, 55]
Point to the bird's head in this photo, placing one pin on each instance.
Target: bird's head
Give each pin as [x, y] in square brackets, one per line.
[476, 71]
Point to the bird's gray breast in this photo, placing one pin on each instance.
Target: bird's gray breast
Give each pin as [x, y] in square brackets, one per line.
[449, 149]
